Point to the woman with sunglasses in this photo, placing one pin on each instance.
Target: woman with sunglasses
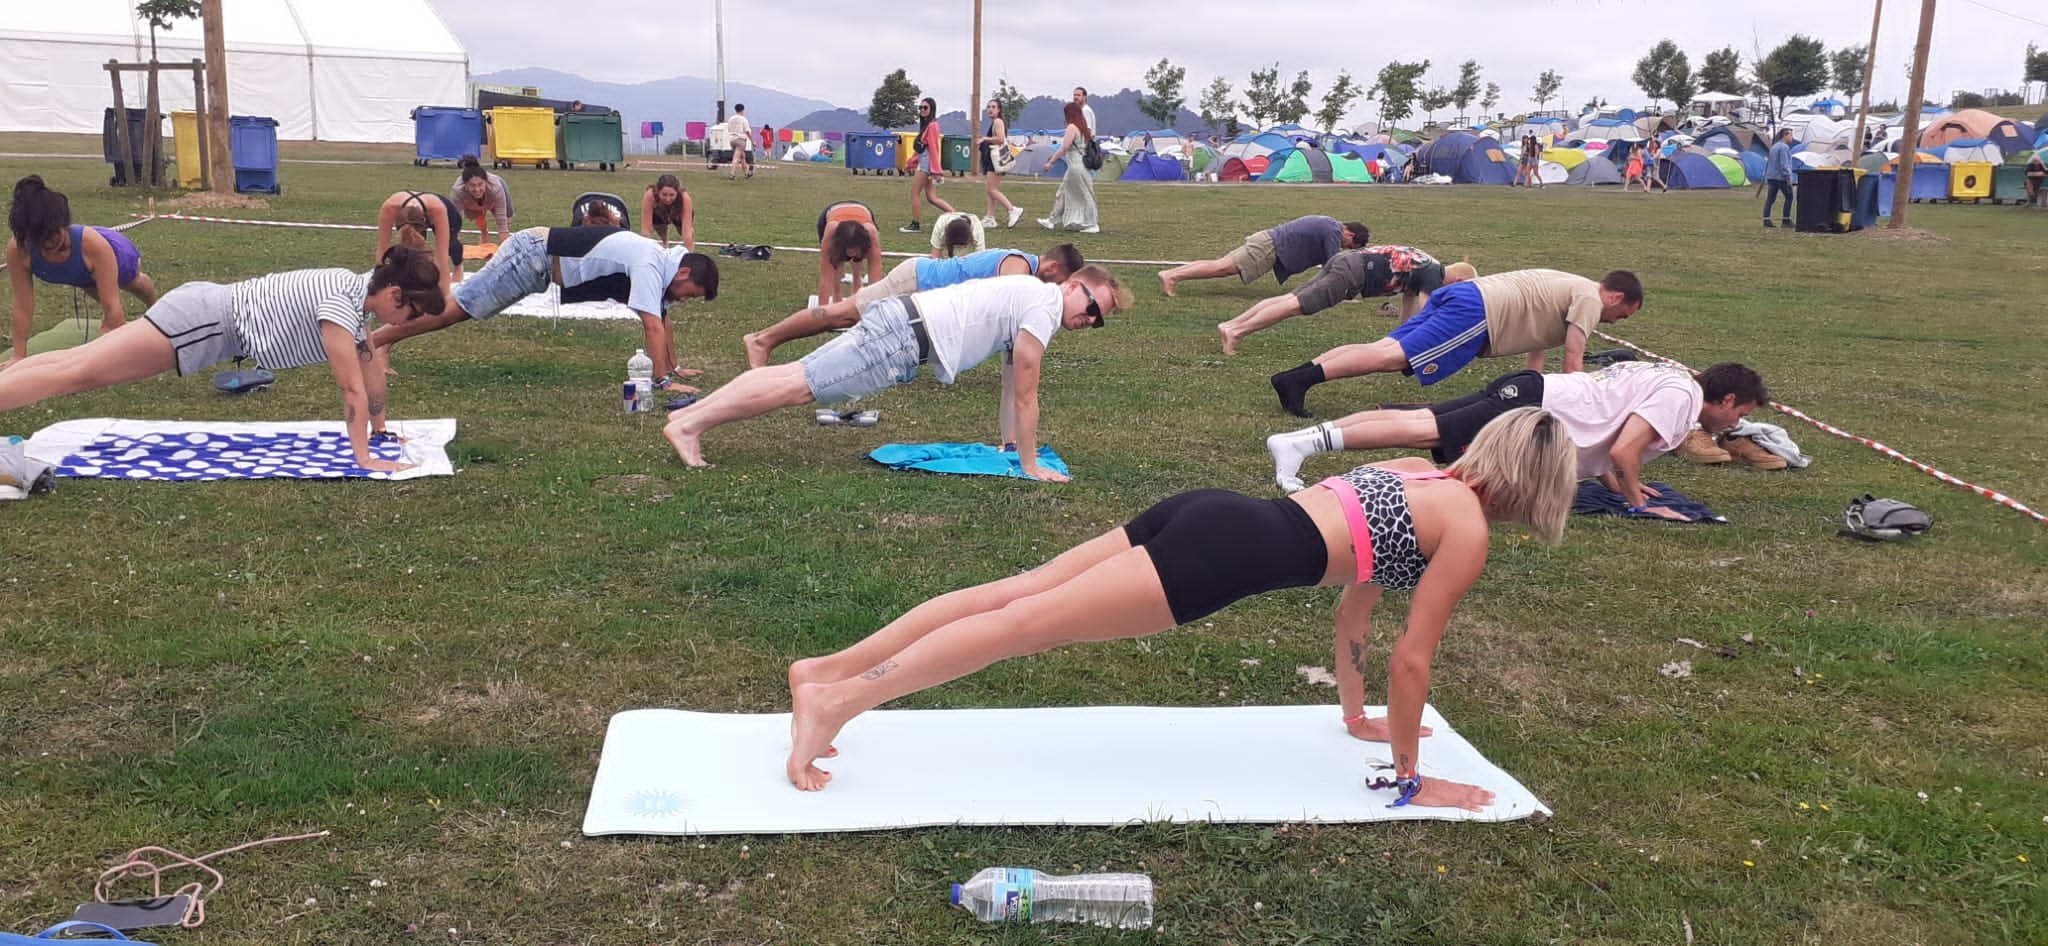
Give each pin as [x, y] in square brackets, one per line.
[952, 329]
[924, 184]
[1399, 525]
[847, 241]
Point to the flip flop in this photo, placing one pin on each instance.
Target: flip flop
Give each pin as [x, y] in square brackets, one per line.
[682, 402]
[243, 381]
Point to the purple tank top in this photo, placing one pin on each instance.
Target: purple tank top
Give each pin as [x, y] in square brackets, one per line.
[72, 272]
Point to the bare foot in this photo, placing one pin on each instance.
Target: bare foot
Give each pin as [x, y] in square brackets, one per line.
[687, 448]
[810, 735]
[1230, 338]
[686, 372]
[804, 673]
[1166, 282]
[758, 350]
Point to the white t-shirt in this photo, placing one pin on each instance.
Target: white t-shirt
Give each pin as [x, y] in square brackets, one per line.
[1594, 405]
[742, 132]
[644, 262]
[972, 320]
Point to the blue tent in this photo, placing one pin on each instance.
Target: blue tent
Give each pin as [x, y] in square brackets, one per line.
[1686, 170]
[1753, 165]
[1253, 146]
[1467, 159]
[1605, 129]
[1381, 153]
[1146, 166]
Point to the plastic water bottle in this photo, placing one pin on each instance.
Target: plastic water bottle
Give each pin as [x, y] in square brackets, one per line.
[1013, 893]
[639, 382]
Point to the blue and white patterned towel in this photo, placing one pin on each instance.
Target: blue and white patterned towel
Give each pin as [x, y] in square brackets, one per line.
[180, 451]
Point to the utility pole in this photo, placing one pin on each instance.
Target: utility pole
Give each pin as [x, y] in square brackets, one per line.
[219, 166]
[974, 104]
[1869, 66]
[718, 27]
[1909, 147]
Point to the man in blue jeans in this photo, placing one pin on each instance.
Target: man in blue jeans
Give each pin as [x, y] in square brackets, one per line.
[1778, 176]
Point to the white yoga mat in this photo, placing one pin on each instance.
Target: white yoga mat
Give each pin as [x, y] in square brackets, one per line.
[678, 772]
[165, 450]
[548, 305]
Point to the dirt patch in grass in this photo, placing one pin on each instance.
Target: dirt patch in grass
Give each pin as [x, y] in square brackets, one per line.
[497, 704]
[911, 520]
[1903, 234]
[1509, 658]
[632, 484]
[207, 200]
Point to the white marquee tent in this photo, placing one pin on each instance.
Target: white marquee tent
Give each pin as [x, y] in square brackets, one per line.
[333, 70]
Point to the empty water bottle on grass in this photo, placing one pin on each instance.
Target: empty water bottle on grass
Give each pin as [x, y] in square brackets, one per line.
[639, 382]
[1013, 893]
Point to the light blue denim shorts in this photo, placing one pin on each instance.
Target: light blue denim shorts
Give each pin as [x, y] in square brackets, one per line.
[875, 355]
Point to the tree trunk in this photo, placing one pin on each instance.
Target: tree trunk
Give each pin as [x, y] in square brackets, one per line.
[220, 166]
[1909, 146]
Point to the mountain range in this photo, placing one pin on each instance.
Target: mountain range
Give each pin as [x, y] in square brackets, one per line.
[682, 99]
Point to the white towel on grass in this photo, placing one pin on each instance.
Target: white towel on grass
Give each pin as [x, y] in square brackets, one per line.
[548, 305]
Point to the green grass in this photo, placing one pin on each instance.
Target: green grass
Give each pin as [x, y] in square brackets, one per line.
[426, 668]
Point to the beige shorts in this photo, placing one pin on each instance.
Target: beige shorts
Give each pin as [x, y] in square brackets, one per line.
[900, 281]
[1255, 258]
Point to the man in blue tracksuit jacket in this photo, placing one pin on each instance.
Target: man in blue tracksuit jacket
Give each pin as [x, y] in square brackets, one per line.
[1778, 175]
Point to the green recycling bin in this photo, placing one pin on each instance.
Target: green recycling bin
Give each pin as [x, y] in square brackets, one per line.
[2009, 182]
[584, 138]
[956, 154]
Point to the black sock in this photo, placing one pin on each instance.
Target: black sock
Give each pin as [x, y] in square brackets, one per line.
[1292, 386]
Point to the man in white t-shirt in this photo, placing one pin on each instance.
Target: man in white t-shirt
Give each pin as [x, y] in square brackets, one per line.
[741, 133]
[952, 329]
[1619, 418]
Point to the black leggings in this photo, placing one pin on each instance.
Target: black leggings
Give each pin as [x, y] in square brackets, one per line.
[1212, 547]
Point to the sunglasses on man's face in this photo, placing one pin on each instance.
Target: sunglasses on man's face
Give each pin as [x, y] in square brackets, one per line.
[1094, 309]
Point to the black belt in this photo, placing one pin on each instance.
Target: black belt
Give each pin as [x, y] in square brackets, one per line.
[924, 338]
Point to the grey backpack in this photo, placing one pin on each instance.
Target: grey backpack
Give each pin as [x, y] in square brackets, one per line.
[1883, 520]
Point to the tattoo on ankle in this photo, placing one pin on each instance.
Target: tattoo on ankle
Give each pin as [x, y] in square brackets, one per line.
[880, 671]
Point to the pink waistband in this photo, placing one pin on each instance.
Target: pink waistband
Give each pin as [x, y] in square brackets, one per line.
[1354, 518]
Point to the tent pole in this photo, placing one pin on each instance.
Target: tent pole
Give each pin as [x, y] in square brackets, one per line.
[1902, 185]
[1869, 66]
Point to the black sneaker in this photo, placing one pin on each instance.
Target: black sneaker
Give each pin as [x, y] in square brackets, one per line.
[1768, 225]
[914, 227]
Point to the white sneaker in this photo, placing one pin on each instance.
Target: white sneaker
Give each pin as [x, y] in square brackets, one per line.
[988, 223]
[1045, 222]
[1016, 214]
[1091, 229]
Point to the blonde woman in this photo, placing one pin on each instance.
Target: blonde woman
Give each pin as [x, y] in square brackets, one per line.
[1399, 525]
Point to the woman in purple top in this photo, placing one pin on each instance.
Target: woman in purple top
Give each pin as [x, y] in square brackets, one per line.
[47, 245]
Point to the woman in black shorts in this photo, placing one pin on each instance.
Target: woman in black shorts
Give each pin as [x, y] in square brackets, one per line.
[1400, 525]
[996, 139]
[847, 240]
[411, 216]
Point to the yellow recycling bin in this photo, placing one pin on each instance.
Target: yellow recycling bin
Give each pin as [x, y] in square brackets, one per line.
[185, 149]
[1969, 180]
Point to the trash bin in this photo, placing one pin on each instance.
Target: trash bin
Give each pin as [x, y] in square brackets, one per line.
[185, 150]
[110, 143]
[1865, 211]
[1887, 185]
[1930, 182]
[522, 136]
[718, 145]
[1825, 196]
[2009, 182]
[446, 134]
[1969, 180]
[875, 152]
[906, 151]
[956, 154]
[252, 142]
[585, 138]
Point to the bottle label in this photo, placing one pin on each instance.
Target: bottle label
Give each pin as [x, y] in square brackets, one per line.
[1013, 893]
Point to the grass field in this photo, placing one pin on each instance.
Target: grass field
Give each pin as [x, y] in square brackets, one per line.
[426, 668]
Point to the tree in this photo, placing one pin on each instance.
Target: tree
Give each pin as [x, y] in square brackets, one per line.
[1467, 88]
[1595, 104]
[1847, 65]
[1967, 100]
[2036, 64]
[160, 14]
[1653, 71]
[1491, 98]
[1678, 83]
[1009, 100]
[1293, 105]
[1262, 95]
[1797, 68]
[1547, 85]
[1219, 110]
[1337, 101]
[1396, 90]
[895, 102]
[1431, 101]
[1721, 71]
[1163, 105]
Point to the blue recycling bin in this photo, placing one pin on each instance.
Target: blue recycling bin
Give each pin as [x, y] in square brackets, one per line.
[446, 134]
[871, 152]
[1865, 211]
[1887, 184]
[1930, 182]
[252, 142]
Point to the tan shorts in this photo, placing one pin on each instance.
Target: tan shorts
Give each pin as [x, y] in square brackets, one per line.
[900, 281]
[1255, 258]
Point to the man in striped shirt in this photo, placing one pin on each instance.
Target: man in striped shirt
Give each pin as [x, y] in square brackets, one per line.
[589, 263]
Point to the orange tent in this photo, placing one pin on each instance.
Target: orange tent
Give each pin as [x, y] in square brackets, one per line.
[1970, 123]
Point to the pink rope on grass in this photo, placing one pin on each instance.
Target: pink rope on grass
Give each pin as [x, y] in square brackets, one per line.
[138, 865]
[1790, 411]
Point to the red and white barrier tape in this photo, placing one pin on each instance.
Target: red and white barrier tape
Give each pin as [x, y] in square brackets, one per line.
[1790, 411]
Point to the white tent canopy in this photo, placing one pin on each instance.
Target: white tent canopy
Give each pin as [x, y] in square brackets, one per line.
[325, 69]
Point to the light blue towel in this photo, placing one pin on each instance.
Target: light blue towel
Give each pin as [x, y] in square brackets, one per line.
[967, 459]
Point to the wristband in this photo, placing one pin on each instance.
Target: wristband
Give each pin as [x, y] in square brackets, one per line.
[1643, 508]
[1406, 787]
[1348, 720]
[382, 436]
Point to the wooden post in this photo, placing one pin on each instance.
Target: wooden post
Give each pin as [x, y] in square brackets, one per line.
[125, 172]
[1869, 66]
[152, 129]
[218, 162]
[199, 123]
[974, 119]
[1902, 186]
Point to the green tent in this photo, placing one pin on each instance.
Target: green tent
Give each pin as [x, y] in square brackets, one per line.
[1304, 165]
[1873, 162]
[1730, 169]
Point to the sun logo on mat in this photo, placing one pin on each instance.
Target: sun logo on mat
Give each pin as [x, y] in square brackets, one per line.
[654, 804]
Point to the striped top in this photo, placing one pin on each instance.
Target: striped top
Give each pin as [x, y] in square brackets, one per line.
[278, 316]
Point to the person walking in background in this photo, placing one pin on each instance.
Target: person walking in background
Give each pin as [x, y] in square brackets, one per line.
[924, 184]
[1087, 110]
[768, 140]
[994, 143]
[666, 204]
[740, 133]
[479, 194]
[1778, 176]
[1074, 207]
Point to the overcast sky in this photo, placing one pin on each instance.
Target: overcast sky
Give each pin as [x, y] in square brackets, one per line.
[838, 51]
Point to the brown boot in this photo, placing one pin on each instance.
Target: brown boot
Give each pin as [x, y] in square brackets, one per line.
[1746, 450]
[1700, 448]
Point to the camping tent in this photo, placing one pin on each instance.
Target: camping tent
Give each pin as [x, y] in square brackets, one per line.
[1974, 123]
[1687, 171]
[1753, 165]
[1146, 166]
[1594, 170]
[325, 70]
[1467, 160]
[1603, 129]
[1312, 165]
[1737, 136]
[1242, 169]
[1031, 162]
[1731, 168]
[1158, 141]
[807, 150]
[1551, 172]
[1253, 146]
[1971, 149]
[1567, 157]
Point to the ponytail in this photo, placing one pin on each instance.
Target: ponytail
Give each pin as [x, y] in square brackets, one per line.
[414, 273]
[37, 213]
[412, 226]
